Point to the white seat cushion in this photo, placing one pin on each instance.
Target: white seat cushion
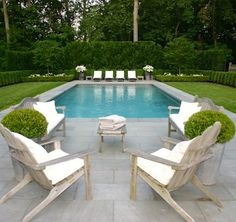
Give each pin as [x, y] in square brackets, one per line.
[60, 171]
[97, 75]
[131, 75]
[54, 120]
[57, 172]
[109, 75]
[161, 172]
[178, 120]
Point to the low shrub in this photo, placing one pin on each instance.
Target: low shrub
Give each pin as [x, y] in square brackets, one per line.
[198, 122]
[27, 122]
[185, 78]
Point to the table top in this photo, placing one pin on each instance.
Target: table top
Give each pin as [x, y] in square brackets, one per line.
[119, 131]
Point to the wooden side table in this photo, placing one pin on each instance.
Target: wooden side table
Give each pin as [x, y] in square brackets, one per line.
[89, 78]
[140, 77]
[120, 132]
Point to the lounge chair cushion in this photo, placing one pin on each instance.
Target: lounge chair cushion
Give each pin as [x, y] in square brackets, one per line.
[48, 109]
[161, 172]
[60, 171]
[54, 120]
[56, 172]
[188, 109]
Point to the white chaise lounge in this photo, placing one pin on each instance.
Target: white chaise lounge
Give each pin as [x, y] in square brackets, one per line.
[108, 75]
[97, 75]
[132, 75]
[120, 75]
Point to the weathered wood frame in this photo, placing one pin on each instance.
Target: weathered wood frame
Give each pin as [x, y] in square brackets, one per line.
[35, 172]
[185, 172]
[205, 103]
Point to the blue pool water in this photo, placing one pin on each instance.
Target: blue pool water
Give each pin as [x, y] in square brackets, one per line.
[130, 101]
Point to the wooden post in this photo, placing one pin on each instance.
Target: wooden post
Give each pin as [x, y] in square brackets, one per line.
[133, 182]
[135, 20]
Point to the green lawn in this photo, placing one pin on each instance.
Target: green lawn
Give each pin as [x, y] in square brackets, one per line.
[13, 94]
[221, 95]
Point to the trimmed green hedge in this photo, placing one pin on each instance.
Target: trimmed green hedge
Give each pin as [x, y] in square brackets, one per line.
[113, 55]
[7, 78]
[224, 78]
[173, 78]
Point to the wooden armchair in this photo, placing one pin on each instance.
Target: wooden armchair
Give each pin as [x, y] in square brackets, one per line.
[167, 170]
[56, 121]
[55, 171]
[177, 119]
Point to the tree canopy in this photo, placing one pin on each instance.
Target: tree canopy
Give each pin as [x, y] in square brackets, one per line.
[206, 23]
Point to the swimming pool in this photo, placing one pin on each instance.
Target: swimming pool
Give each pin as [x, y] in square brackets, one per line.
[130, 101]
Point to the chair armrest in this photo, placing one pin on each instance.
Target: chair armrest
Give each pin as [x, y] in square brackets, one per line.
[171, 108]
[148, 156]
[169, 142]
[42, 166]
[174, 165]
[80, 154]
[62, 108]
[51, 140]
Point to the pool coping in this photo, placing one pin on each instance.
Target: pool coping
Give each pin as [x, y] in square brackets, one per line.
[176, 93]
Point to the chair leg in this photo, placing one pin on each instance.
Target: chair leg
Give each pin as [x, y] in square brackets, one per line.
[197, 183]
[88, 187]
[169, 127]
[27, 178]
[64, 128]
[165, 194]
[133, 182]
[53, 194]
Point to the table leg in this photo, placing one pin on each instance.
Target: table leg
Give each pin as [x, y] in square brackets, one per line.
[123, 145]
[100, 145]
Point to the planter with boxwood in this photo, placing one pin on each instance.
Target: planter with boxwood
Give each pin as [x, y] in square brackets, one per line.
[195, 126]
[27, 122]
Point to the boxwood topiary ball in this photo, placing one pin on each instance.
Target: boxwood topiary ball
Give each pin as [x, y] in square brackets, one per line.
[198, 122]
[27, 122]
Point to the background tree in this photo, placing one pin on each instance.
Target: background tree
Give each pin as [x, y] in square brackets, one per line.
[180, 53]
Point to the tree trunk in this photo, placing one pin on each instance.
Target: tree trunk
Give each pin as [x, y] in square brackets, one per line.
[135, 21]
[6, 21]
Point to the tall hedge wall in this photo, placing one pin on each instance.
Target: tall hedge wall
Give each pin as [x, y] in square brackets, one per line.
[19, 60]
[7, 78]
[115, 55]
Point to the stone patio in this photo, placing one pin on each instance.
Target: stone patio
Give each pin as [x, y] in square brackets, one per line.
[110, 178]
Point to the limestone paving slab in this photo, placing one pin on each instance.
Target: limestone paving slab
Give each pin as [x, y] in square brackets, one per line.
[110, 175]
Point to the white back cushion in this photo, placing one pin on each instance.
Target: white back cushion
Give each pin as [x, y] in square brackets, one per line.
[38, 152]
[161, 172]
[48, 109]
[188, 109]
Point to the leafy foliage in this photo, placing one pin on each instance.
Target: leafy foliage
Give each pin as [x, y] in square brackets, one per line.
[180, 53]
[198, 122]
[48, 54]
[27, 122]
[185, 78]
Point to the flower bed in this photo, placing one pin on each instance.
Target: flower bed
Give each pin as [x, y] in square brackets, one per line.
[49, 77]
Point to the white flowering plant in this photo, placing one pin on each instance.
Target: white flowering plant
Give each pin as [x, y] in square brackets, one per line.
[80, 68]
[148, 68]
